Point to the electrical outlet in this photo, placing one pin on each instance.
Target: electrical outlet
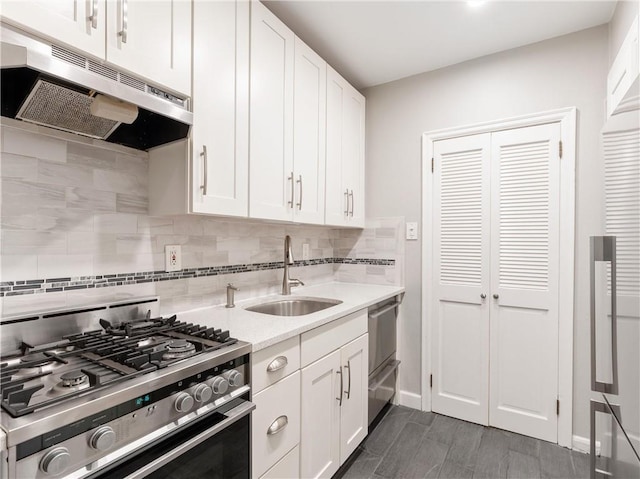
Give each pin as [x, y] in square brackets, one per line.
[412, 231]
[172, 257]
[305, 251]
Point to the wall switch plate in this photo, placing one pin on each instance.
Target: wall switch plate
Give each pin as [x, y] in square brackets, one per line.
[305, 251]
[412, 231]
[172, 257]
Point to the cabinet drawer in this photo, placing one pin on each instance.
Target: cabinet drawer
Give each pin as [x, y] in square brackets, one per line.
[327, 338]
[280, 402]
[274, 363]
[287, 468]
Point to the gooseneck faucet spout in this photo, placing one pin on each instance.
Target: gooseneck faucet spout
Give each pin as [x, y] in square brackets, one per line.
[287, 282]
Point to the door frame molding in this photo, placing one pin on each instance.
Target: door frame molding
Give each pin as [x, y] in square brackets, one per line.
[567, 119]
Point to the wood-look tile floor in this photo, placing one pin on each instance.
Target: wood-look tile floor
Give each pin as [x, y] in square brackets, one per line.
[413, 444]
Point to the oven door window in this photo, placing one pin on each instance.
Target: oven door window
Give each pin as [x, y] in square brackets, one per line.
[223, 455]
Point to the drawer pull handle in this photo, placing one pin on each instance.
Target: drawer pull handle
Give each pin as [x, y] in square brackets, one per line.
[278, 425]
[277, 364]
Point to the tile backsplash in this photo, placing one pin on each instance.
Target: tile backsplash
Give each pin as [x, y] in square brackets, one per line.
[75, 229]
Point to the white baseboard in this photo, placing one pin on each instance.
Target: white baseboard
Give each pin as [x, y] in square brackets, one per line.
[582, 444]
[405, 398]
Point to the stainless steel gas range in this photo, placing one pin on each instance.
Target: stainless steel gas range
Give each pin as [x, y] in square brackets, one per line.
[116, 391]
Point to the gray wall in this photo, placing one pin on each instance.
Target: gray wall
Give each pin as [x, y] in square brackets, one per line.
[562, 72]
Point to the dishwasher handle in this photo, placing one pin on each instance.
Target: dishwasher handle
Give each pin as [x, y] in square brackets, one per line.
[384, 310]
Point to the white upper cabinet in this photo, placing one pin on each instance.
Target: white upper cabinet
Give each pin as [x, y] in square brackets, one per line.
[623, 81]
[344, 200]
[220, 132]
[77, 23]
[152, 39]
[271, 179]
[309, 98]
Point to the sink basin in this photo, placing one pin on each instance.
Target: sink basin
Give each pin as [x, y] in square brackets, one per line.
[293, 307]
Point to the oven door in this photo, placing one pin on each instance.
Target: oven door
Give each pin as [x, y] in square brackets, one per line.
[216, 446]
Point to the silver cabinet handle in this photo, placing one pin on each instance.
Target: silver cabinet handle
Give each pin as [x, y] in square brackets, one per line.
[496, 296]
[339, 398]
[603, 248]
[348, 391]
[351, 195]
[384, 310]
[278, 425]
[299, 204]
[205, 170]
[483, 296]
[346, 201]
[277, 364]
[94, 14]
[123, 33]
[290, 178]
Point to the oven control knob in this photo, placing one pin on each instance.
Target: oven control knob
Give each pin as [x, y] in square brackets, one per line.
[219, 385]
[183, 403]
[202, 393]
[55, 461]
[103, 439]
[234, 377]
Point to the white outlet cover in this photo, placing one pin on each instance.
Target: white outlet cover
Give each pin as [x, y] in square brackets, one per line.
[172, 257]
[412, 231]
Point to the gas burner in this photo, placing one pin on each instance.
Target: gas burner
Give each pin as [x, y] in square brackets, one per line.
[73, 378]
[178, 349]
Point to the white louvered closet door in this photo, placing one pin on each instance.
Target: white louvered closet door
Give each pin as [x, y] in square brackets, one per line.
[460, 338]
[525, 196]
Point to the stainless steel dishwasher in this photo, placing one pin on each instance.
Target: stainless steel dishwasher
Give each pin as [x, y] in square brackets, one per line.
[383, 366]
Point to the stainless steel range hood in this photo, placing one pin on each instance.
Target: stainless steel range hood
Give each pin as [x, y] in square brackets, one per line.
[49, 85]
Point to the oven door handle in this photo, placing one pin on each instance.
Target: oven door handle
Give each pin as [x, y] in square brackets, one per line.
[384, 310]
[233, 415]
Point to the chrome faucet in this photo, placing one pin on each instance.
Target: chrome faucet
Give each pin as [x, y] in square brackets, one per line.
[288, 260]
[230, 293]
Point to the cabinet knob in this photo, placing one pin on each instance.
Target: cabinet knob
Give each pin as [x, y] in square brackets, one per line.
[483, 296]
[496, 296]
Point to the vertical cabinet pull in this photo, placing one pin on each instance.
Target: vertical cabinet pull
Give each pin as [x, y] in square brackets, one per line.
[299, 204]
[205, 170]
[125, 15]
[290, 178]
[603, 249]
[339, 398]
[94, 14]
[351, 195]
[346, 202]
[348, 391]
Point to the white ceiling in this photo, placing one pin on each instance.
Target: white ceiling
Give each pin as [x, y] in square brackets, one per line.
[374, 42]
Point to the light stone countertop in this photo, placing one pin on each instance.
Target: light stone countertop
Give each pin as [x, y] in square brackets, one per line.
[263, 330]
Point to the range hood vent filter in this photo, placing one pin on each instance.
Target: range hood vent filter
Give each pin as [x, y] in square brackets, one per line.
[65, 109]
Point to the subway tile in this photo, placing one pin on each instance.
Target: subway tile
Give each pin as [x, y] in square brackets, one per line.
[134, 244]
[37, 146]
[33, 242]
[64, 174]
[213, 226]
[132, 204]
[19, 222]
[65, 219]
[155, 225]
[91, 243]
[188, 225]
[70, 264]
[86, 155]
[18, 267]
[117, 223]
[119, 182]
[18, 166]
[26, 196]
[90, 198]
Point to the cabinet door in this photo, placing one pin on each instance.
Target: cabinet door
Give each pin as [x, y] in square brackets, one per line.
[353, 154]
[354, 411]
[310, 94]
[77, 23]
[271, 121]
[320, 432]
[344, 201]
[220, 132]
[152, 39]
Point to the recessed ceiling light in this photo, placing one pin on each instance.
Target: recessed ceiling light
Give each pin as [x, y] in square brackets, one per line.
[476, 3]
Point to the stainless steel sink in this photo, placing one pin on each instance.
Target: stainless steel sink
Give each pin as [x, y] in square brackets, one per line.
[293, 307]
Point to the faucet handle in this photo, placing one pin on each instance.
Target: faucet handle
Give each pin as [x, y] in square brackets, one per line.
[297, 281]
[231, 286]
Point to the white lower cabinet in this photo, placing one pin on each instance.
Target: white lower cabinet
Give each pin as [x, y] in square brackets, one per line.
[286, 468]
[275, 428]
[334, 396]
